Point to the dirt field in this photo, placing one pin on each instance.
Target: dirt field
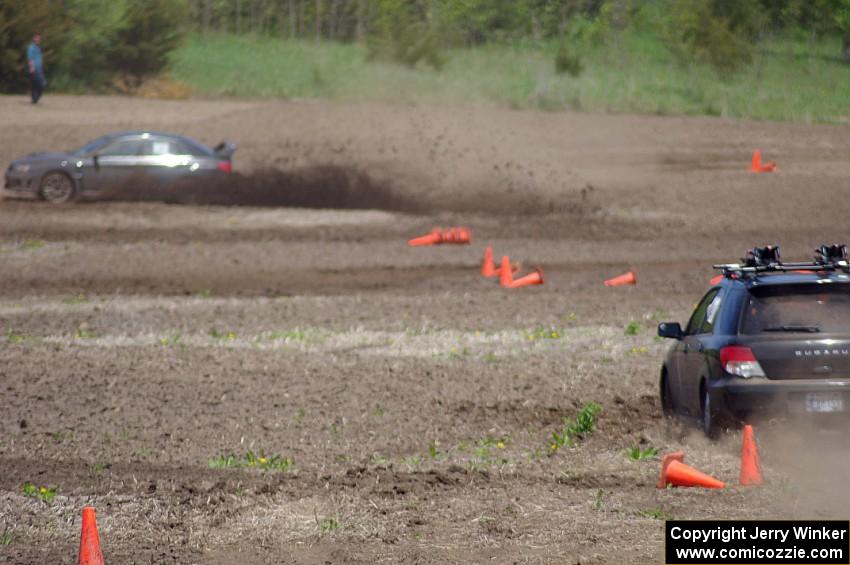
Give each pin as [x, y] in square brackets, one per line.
[410, 402]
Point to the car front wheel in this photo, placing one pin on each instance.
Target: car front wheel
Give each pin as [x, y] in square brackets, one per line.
[666, 397]
[57, 188]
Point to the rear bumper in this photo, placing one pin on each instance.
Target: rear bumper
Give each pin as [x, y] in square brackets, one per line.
[738, 397]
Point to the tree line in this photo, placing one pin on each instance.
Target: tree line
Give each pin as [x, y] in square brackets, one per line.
[97, 43]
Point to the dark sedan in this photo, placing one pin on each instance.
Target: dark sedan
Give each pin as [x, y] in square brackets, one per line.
[768, 339]
[114, 161]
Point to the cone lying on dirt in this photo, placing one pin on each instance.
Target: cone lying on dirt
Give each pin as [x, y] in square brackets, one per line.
[437, 236]
[750, 464]
[675, 473]
[629, 278]
[756, 166]
[90, 553]
[531, 279]
[506, 274]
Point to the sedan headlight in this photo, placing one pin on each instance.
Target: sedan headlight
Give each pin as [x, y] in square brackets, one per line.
[19, 167]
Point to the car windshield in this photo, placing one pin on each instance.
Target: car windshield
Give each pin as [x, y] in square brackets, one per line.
[798, 309]
[91, 146]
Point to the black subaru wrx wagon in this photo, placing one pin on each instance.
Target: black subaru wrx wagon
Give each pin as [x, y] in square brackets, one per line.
[769, 338]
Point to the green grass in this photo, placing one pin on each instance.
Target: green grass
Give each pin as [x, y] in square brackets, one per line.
[581, 426]
[45, 494]
[638, 454]
[789, 79]
[252, 460]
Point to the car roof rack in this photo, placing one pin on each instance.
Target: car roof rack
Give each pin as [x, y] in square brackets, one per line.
[763, 260]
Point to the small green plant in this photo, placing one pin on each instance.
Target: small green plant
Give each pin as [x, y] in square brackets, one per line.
[253, 460]
[13, 336]
[78, 299]
[98, 468]
[581, 426]
[638, 454]
[60, 436]
[285, 335]
[491, 358]
[328, 525]
[656, 514]
[414, 461]
[263, 461]
[433, 451]
[224, 335]
[541, 333]
[143, 452]
[45, 494]
[633, 328]
[204, 293]
[598, 499]
[483, 451]
[6, 538]
[224, 462]
[84, 333]
[171, 340]
[33, 244]
[378, 411]
[456, 353]
[299, 415]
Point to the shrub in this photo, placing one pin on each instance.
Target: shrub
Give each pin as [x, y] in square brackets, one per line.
[567, 61]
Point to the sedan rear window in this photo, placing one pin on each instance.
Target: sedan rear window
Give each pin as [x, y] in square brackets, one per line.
[797, 309]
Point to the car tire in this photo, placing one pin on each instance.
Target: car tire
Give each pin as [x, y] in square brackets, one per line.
[710, 420]
[57, 188]
[667, 408]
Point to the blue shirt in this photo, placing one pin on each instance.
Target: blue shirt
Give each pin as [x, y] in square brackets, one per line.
[34, 55]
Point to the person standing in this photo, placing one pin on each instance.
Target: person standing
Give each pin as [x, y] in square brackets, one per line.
[36, 68]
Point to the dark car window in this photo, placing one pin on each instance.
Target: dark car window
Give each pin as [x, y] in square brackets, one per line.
[700, 321]
[124, 147]
[92, 146]
[798, 309]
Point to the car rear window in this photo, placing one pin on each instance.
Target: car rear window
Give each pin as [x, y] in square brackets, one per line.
[797, 309]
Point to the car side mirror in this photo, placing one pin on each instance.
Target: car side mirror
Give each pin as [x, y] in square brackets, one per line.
[670, 330]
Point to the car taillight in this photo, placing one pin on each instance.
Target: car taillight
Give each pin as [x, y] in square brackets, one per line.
[740, 361]
[225, 166]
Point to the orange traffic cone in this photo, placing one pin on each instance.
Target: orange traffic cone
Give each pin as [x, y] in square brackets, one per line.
[432, 238]
[750, 466]
[488, 268]
[534, 278]
[506, 274]
[90, 553]
[670, 457]
[756, 166]
[623, 280]
[681, 475]
[457, 235]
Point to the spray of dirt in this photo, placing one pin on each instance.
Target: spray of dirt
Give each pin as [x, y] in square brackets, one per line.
[325, 186]
[340, 187]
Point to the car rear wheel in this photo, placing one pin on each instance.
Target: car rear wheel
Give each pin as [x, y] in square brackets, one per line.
[710, 423]
[57, 188]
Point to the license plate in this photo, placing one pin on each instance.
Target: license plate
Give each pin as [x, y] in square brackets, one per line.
[824, 402]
